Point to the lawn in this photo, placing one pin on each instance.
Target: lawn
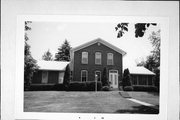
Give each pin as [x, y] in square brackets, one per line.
[81, 102]
[149, 97]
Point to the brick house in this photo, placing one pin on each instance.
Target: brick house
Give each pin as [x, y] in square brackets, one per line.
[89, 60]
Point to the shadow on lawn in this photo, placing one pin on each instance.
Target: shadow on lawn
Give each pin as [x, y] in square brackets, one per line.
[140, 110]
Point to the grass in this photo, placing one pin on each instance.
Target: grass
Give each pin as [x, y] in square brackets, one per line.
[81, 102]
[149, 97]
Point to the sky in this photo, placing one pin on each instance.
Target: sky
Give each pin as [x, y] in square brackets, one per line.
[51, 35]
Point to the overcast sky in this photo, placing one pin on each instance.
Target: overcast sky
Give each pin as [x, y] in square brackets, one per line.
[50, 35]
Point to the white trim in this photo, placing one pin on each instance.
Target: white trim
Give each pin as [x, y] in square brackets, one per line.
[99, 72]
[86, 75]
[84, 57]
[100, 58]
[117, 76]
[99, 40]
[109, 59]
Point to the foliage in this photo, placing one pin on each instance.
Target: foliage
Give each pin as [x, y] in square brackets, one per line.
[140, 29]
[126, 81]
[67, 78]
[128, 88]
[105, 81]
[59, 87]
[153, 61]
[145, 88]
[63, 53]
[47, 56]
[77, 86]
[41, 87]
[155, 39]
[91, 85]
[106, 88]
[84, 86]
[30, 65]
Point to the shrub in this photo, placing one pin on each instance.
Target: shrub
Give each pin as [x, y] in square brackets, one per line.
[77, 86]
[41, 87]
[126, 81]
[59, 87]
[145, 88]
[67, 77]
[128, 88]
[105, 81]
[91, 86]
[106, 88]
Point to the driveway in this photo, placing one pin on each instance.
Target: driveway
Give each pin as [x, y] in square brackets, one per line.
[82, 102]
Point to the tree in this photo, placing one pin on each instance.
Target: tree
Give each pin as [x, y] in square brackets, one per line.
[67, 77]
[63, 53]
[155, 39]
[140, 29]
[30, 65]
[105, 81]
[153, 61]
[126, 81]
[47, 56]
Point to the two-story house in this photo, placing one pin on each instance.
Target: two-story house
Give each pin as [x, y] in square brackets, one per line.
[88, 60]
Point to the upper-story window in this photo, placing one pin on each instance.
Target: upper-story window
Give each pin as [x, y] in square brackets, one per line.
[84, 59]
[110, 60]
[98, 58]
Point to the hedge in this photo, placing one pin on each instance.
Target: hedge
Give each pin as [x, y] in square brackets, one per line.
[74, 86]
[145, 88]
[41, 87]
[77, 86]
[106, 88]
[128, 88]
[84, 86]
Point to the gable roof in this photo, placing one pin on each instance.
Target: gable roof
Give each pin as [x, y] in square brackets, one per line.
[139, 70]
[52, 65]
[99, 40]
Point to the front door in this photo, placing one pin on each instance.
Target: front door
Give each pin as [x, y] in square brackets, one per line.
[113, 78]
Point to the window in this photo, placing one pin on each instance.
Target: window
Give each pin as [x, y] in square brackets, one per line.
[98, 58]
[84, 58]
[84, 75]
[44, 77]
[110, 59]
[98, 73]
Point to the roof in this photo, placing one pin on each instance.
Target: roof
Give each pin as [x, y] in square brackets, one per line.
[52, 65]
[99, 40]
[139, 70]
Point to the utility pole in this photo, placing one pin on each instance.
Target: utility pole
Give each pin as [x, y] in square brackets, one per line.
[96, 76]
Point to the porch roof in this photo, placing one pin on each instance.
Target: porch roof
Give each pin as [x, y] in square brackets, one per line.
[52, 65]
[139, 70]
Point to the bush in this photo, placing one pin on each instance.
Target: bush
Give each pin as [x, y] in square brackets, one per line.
[128, 88]
[91, 86]
[145, 88]
[106, 88]
[59, 87]
[41, 87]
[77, 86]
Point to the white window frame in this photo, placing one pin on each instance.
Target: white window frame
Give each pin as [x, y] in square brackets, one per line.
[82, 56]
[96, 53]
[99, 72]
[110, 59]
[86, 75]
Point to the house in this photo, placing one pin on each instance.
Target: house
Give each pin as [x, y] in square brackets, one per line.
[88, 61]
[141, 76]
[87, 64]
[50, 72]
